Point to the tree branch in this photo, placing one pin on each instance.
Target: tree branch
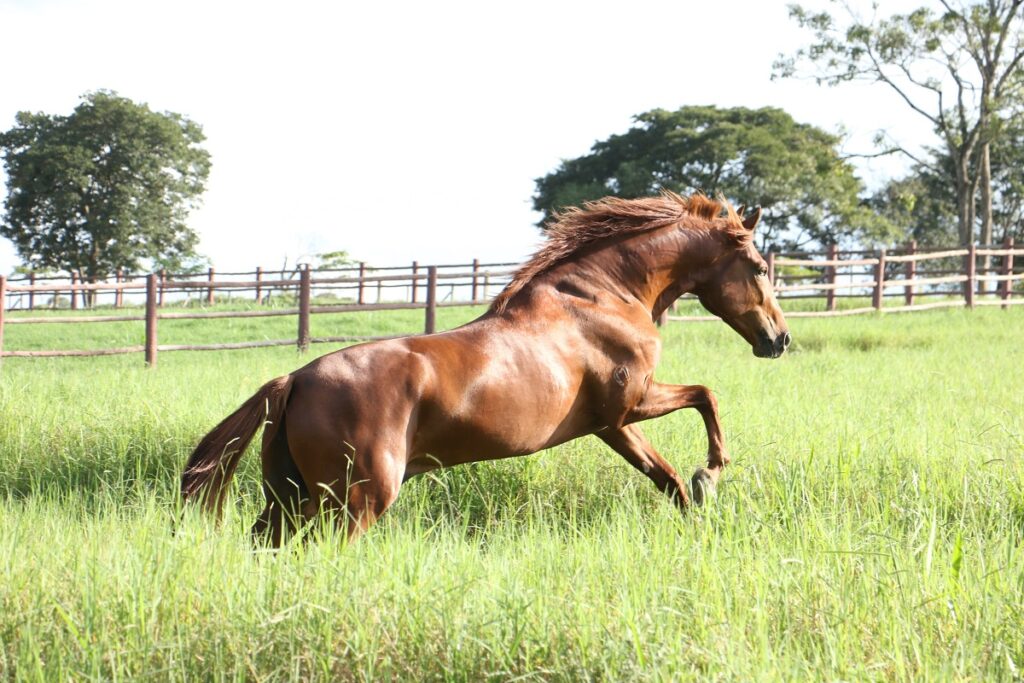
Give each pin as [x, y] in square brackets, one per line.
[884, 78]
[930, 165]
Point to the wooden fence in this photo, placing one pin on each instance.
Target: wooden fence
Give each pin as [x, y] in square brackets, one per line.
[362, 282]
[422, 287]
[951, 277]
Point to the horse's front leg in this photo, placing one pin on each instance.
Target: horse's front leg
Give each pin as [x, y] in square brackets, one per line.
[662, 399]
[630, 443]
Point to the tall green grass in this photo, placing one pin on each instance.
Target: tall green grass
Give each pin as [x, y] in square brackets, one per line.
[869, 528]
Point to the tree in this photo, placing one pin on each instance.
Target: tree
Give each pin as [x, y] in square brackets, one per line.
[958, 69]
[106, 187]
[182, 264]
[752, 156]
[1007, 163]
[925, 200]
[334, 260]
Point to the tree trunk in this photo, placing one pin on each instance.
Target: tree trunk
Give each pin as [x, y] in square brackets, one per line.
[964, 201]
[92, 268]
[985, 182]
[84, 293]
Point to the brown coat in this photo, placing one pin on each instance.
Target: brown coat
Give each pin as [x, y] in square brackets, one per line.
[568, 348]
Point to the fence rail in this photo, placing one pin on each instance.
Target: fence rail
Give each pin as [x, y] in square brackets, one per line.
[423, 287]
[801, 276]
[908, 273]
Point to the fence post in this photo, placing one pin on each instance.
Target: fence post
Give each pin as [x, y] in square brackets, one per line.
[1007, 272]
[879, 280]
[163, 279]
[151, 302]
[972, 275]
[209, 292]
[830, 296]
[415, 270]
[31, 294]
[430, 323]
[908, 291]
[303, 341]
[74, 294]
[476, 269]
[3, 307]
[259, 284]
[362, 285]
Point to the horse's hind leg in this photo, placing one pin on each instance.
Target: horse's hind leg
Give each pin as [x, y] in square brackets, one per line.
[352, 478]
[285, 493]
[373, 491]
[349, 442]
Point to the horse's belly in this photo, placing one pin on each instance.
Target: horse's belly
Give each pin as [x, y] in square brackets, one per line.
[499, 395]
[497, 423]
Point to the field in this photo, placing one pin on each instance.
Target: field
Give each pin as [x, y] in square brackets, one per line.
[870, 527]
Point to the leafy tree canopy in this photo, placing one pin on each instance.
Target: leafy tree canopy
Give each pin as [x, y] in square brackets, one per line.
[925, 200]
[959, 66]
[752, 156]
[182, 264]
[334, 260]
[106, 187]
[924, 203]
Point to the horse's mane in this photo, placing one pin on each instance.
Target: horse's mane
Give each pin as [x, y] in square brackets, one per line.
[575, 228]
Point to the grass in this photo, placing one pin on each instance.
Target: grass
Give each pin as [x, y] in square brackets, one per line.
[870, 527]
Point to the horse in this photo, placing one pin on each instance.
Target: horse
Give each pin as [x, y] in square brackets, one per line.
[568, 348]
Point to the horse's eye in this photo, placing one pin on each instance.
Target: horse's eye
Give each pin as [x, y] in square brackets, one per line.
[763, 270]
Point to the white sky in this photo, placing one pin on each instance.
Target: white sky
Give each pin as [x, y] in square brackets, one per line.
[409, 130]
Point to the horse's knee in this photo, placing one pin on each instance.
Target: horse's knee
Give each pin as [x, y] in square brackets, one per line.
[705, 396]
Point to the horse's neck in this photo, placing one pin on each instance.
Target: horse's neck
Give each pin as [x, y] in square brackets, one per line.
[676, 267]
[654, 268]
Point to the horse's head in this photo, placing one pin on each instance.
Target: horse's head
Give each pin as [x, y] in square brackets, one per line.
[736, 289]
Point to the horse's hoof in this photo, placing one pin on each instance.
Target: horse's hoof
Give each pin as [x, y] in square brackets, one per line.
[703, 486]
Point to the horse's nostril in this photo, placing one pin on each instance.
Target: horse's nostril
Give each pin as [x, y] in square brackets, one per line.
[786, 340]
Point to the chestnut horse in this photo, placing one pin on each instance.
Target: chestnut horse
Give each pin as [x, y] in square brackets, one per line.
[568, 348]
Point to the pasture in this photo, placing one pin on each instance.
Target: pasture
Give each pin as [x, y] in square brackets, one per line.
[869, 528]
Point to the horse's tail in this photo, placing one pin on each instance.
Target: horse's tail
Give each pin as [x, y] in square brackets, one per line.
[213, 462]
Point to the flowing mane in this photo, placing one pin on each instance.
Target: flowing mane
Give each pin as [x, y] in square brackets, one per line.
[575, 228]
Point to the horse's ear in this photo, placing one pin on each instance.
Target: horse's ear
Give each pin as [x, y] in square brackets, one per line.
[740, 211]
[750, 222]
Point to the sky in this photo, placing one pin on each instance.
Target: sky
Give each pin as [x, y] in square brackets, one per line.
[403, 131]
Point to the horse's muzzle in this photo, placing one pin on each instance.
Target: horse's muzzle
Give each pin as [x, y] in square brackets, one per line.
[772, 348]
